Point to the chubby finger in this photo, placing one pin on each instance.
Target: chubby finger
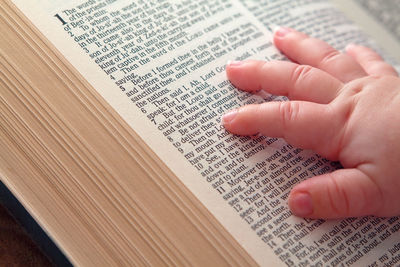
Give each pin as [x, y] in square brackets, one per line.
[298, 82]
[303, 124]
[340, 194]
[371, 61]
[305, 50]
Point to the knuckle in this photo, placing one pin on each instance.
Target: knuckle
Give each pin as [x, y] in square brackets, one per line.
[375, 190]
[381, 67]
[372, 58]
[263, 69]
[338, 197]
[369, 55]
[299, 75]
[328, 56]
[289, 111]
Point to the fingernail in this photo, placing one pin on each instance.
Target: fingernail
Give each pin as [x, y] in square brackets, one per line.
[228, 117]
[301, 204]
[280, 32]
[350, 46]
[234, 63]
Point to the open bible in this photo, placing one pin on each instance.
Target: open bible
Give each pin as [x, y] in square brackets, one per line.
[111, 135]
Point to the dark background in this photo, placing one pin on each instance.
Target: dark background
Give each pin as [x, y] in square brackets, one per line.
[16, 247]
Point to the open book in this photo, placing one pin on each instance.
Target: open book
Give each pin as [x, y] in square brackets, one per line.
[111, 136]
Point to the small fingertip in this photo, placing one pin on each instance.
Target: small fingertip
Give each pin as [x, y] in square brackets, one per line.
[281, 32]
[276, 28]
[350, 46]
[301, 204]
[229, 117]
[234, 63]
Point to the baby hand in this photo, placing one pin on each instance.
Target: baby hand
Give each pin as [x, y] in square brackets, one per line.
[344, 106]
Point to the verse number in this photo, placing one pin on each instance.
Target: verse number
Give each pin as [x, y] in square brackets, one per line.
[60, 18]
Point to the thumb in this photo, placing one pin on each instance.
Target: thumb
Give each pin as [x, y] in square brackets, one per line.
[342, 193]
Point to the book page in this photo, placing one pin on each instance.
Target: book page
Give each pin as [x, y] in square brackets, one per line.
[160, 65]
[385, 12]
[379, 19]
